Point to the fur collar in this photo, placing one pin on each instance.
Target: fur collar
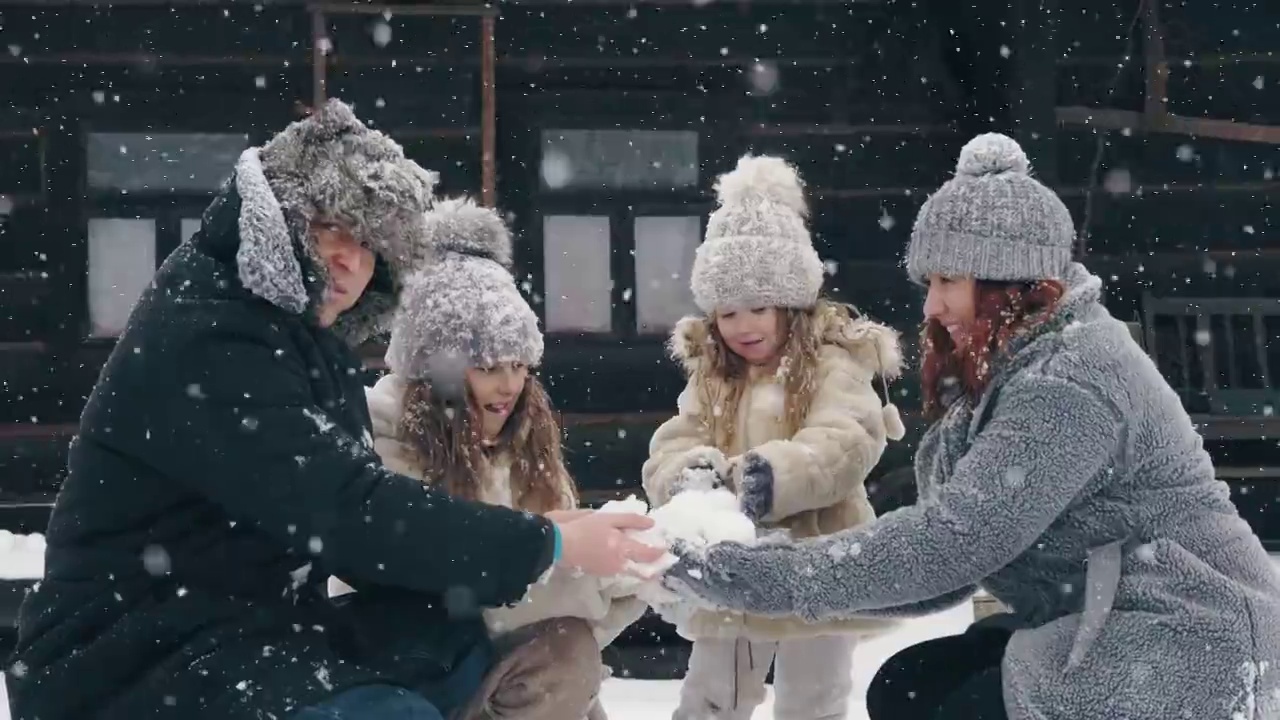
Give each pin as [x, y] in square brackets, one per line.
[870, 343]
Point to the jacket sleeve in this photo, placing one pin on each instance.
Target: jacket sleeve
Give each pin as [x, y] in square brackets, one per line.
[1047, 438]
[681, 442]
[842, 439]
[230, 412]
[559, 594]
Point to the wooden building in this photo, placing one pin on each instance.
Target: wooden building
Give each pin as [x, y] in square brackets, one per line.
[598, 126]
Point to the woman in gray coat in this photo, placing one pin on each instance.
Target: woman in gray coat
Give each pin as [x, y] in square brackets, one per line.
[1062, 474]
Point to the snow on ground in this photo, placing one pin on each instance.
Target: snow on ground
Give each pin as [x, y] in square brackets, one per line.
[656, 699]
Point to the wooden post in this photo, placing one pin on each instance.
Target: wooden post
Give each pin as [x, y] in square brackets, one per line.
[319, 57]
[488, 113]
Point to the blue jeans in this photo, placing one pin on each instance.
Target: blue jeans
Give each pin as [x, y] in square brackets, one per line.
[372, 702]
[431, 701]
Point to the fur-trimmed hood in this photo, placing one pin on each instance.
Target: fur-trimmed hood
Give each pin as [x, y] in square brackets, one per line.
[872, 344]
[330, 165]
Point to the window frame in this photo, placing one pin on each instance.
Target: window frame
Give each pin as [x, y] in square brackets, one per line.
[622, 243]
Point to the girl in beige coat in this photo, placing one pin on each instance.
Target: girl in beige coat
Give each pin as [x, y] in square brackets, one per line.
[460, 409]
[780, 406]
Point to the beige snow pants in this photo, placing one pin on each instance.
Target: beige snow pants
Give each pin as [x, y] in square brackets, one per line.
[812, 681]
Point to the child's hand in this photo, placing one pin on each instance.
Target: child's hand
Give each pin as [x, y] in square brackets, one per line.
[702, 473]
[755, 489]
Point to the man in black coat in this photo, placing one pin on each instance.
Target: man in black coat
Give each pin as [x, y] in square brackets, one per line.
[224, 470]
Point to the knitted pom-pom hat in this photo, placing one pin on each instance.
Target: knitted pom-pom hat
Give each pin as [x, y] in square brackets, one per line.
[465, 309]
[992, 221]
[757, 252]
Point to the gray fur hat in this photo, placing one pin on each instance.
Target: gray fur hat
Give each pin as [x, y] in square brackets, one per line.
[465, 309]
[992, 221]
[757, 251]
[330, 166]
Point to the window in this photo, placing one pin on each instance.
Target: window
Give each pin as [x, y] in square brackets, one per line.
[665, 247]
[189, 228]
[619, 159]
[578, 279]
[122, 261]
[162, 162]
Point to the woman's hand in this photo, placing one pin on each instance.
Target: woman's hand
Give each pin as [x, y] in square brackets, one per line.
[731, 576]
[597, 544]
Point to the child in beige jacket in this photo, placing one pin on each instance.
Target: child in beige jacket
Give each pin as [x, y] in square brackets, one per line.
[461, 410]
[780, 406]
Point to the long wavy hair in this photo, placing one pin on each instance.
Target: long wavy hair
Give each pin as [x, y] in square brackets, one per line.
[445, 434]
[798, 370]
[1002, 310]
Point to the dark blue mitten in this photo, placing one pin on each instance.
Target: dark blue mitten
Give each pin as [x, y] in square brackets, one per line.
[755, 490]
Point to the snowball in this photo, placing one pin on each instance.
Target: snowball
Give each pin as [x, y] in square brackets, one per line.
[697, 518]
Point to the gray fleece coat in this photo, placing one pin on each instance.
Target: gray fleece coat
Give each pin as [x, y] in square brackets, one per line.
[1079, 494]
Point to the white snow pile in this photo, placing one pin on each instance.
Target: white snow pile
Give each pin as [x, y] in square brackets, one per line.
[697, 518]
[21, 556]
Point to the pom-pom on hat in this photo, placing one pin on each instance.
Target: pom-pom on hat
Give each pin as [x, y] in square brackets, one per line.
[464, 310]
[757, 252]
[992, 221]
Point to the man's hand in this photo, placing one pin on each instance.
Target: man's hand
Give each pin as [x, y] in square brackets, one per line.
[561, 517]
[596, 543]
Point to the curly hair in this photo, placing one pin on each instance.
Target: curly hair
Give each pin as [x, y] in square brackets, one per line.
[798, 369]
[448, 443]
[1001, 311]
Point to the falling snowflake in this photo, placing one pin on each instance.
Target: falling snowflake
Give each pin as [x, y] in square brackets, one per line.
[381, 32]
[1118, 182]
[557, 170]
[156, 561]
[764, 78]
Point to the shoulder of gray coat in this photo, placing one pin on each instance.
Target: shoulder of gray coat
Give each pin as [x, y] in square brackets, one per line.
[869, 343]
[1100, 357]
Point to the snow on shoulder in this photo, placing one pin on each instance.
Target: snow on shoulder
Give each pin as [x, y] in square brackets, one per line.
[696, 518]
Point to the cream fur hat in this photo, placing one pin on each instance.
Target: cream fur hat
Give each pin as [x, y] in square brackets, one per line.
[757, 252]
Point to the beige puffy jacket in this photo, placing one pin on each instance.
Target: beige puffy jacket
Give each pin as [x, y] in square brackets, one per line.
[819, 472]
[560, 593]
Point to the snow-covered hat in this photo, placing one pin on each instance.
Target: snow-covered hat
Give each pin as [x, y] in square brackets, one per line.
[758, 252]
[330, 166]
[465, 309]
[992, 221]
